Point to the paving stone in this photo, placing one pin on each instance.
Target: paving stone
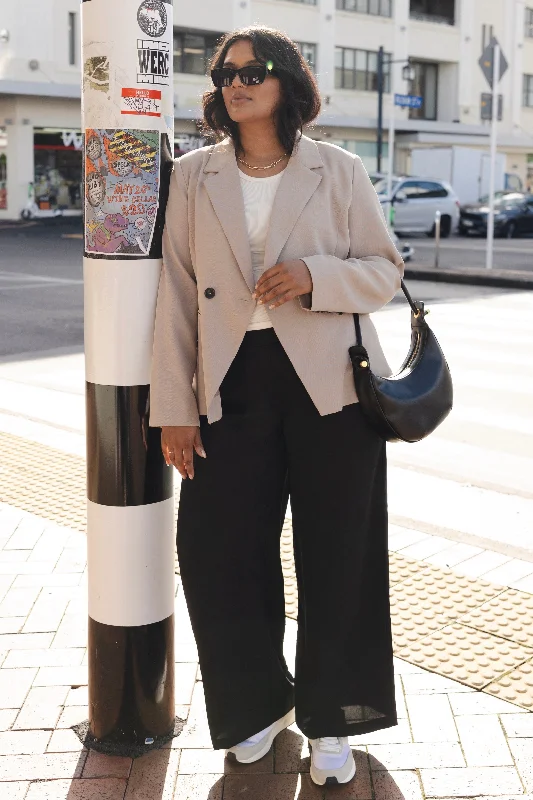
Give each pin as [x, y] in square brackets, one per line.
[154, 776]
[415, 756]
[522, 750]
[64, 741]
[397, 785]
[525, 584]
[99, 765]
[18, 743]
[14, 556]
[72, 631]
[401, 568]
[27, 533]
[431, 718]
[47, 612]
[25, 641]
[185, 676]
[78, 697]
[511, 571]
[41, 708]
[27, 568]
[428, 547]
[19, 601]
[402, 667]
[401, 708]
[483, 741]
[41, 767]
[480, 703]
[52, 579]
[470, 781]
[61, 676]
[14, 790]
[6, 581]
[431, 683]
[195, 733]
[61, 657]
[472, 657]
[198, 787]
[455, 554]
[518, 725]
[516, 686]
[14, 686]
[11, 624]
[7, 718]
[484, 562]
[397, 734]
[203, 761]
[78, 789]
[269, 787]
[403, 537]
[291, 751]
[72, 715]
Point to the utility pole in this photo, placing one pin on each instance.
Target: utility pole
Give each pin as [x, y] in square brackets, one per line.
[381, 60]
[128, 119]
[493, 146]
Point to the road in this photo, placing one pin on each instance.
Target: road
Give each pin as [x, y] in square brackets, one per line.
[461, 251]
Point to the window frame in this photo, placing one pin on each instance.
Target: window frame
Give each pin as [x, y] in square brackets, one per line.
[72, 39]
[528, 22]
[301, 46]
[365, 6]
[368, 81]
[179, 53]
[527, 91]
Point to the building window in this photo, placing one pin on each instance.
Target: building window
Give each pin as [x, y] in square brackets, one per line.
[425, 85]
[308, 50]
[358, 69]
[72, 38]
[192, 51]
[528, 91]
[307, 2]
[529, 23]
[441, 11]
[367, 152]
[380, 8]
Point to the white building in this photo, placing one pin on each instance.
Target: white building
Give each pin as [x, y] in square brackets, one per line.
[40, 136]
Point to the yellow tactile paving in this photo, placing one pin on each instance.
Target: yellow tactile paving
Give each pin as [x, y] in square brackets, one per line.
[466, 655]
[510, 615]
[467, 629]
[516, 686]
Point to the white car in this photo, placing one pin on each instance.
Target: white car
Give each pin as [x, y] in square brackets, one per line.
[416, 202]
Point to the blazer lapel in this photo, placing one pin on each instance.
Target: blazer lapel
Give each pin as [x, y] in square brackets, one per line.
[224, 189]
[298, 184]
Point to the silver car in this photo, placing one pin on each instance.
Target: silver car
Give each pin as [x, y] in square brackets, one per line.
[416, 202]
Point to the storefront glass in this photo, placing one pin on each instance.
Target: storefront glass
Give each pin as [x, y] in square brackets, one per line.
[3, 169]
[58, 169]
[185, 142]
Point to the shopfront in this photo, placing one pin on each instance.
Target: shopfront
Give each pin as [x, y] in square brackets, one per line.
[57, 169]
[3, 170]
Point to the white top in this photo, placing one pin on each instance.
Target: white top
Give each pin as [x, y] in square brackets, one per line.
[258, 194]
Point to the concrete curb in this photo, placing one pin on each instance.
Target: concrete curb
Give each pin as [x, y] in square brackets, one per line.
[499, 279]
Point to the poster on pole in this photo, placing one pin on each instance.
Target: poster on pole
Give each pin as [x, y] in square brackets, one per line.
[122, 172]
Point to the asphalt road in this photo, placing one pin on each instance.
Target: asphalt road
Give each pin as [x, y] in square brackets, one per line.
[41, 289]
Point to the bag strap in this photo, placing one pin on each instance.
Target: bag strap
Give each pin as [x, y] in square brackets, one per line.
[409, 299]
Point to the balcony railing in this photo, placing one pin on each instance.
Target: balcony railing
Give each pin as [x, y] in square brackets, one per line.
[436, 18]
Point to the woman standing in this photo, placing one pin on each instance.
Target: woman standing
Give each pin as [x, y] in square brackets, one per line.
[272, 242]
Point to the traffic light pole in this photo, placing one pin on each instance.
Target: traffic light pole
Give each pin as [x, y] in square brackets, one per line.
[493, 151]
[381, 60]
[128, 116]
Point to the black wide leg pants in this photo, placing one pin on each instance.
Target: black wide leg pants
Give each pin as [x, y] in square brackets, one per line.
[270, 441]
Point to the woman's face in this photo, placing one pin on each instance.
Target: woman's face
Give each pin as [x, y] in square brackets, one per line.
[249, 103]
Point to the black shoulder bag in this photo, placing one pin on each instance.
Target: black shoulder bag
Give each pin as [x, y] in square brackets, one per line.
[407, 406]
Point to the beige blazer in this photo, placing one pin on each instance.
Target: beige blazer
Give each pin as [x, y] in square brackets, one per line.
[326, 213]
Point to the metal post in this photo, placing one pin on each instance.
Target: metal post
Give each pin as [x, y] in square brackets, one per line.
[381, 57]
[493, 145]
[391, 151]
[128, 119]
[437, 238]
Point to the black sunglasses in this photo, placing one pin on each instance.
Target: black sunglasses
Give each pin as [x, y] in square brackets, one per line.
[248, 76]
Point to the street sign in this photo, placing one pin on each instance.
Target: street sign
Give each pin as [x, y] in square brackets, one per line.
[408, 100]
[486, 106]
[486, 62]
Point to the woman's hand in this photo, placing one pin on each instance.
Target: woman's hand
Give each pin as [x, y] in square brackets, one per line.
[283, 282]
[178, 443]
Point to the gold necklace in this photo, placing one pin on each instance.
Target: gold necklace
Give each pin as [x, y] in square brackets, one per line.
[270, 166]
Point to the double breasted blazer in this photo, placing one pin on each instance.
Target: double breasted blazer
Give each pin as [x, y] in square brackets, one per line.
[326, 213]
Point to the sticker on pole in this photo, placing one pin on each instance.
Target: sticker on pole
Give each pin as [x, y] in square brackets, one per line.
[121, 190]
[141, 102]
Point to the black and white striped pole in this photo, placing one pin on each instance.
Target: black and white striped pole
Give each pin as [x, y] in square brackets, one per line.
[128, 118]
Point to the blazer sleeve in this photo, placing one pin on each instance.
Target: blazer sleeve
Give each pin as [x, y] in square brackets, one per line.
[370, 277]
[175, 348]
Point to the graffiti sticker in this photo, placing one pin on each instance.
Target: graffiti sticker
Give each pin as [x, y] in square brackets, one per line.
[154, 62]
[121, 190]
[152, 17]
[141, 102]
[96, 73]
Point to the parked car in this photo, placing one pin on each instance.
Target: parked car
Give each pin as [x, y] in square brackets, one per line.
[416, 202]
[513, 216]
[405, 249]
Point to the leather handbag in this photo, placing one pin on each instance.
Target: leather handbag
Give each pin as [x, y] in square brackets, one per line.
[407, 406]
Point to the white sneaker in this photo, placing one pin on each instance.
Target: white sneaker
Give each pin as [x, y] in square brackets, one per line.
[259, 744]
[331, 760]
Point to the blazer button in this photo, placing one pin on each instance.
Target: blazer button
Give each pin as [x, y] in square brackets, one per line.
[209, 293]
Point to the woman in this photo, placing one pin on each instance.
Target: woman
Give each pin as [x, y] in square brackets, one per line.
[272, 242]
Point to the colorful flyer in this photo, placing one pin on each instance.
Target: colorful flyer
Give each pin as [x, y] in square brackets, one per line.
[141, 102]
[121, 190]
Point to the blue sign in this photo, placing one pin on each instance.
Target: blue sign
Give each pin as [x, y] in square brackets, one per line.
[408, 100]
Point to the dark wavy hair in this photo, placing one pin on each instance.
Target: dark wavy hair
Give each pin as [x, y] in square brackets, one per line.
[300, 98]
